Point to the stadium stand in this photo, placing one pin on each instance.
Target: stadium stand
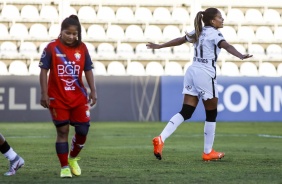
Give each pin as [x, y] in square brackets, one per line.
[115, 32]
[271, 16]
[251, 26]
[96, 32]
[54, 31]
[125, 50]
[8, 49]
[253, 16]
[267, 69]
[4, 31]
[18, 31]
[33, 68]
[38, 31]
[134, 32]
[180, 15]
[230, 69]
[116, 68]
[154, 68]
[10, 12]
[143, 14]
[3, 68]
[279, 70]
[274, 51]
[135, 68]
[49, 12]
[106, 14]
[248, 69]
[99, 68]
[124, 14]
[18, 68]
[86, 13]
[28, 49]
[173, 68]
[29, 12]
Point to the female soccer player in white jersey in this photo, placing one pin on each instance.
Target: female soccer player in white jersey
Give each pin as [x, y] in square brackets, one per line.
[200, 79]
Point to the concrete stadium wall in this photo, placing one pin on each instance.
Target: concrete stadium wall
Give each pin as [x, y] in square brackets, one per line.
[120, 98]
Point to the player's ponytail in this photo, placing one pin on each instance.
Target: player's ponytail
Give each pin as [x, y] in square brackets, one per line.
[198, 27]
[72, 20]
[205, 16]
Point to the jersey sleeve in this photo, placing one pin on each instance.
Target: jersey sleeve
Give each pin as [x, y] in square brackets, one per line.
[46, 57]
[190, 33]
[218, 38]
[88, 62]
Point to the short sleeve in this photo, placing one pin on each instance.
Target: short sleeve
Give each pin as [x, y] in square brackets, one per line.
[88, 62]
[218, 38]
[46, 57]
[190, 33]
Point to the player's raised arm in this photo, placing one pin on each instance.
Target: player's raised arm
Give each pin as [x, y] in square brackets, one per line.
[171, 43]
[230, 49]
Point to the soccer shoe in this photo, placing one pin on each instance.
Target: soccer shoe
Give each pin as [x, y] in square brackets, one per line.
[158, 147]
[213, 155]
[15, 164]
[66, 172]
[75, 169]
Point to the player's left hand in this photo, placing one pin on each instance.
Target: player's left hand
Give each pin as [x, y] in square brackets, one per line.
[92, 98]
[246, 56]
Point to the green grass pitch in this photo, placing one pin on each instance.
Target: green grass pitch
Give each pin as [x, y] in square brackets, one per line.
[119, 152]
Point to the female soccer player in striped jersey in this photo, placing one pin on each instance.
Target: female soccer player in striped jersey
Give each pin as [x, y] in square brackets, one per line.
[200, 79]
[64, 94]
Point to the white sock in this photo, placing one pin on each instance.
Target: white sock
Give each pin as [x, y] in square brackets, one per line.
[171, 126]
[10, 154]
[209, 133]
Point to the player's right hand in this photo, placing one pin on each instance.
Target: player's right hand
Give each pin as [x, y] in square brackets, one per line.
[151, 45]
[45, 101]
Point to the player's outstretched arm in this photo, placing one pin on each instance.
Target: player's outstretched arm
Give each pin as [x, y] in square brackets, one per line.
[171, 43]
[230, 49]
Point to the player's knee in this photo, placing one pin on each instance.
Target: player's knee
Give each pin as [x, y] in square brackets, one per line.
[211, 115]
[187, 111]
[82, 129]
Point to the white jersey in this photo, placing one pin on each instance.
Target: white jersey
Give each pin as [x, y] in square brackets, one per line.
[207, 49]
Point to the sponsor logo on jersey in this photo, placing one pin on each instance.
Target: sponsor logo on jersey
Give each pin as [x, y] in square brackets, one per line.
[69, 84]
[69, 68]
[60, 55]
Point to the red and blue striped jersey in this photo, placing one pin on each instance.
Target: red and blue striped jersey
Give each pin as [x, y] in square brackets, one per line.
[66, 64]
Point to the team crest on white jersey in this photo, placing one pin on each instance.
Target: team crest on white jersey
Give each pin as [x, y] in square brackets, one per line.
[188, 87]
[77, 56]
[202, 93]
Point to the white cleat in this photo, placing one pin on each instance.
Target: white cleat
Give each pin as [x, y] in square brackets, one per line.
[15, 164]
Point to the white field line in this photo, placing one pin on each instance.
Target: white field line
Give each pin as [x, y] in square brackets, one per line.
[32, 137]
[270, 136]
